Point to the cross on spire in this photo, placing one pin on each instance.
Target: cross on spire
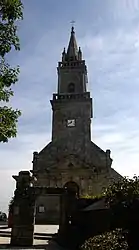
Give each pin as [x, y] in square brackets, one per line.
[72, 25]
[72, 51]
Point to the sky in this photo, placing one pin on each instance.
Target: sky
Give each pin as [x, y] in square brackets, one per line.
[108, 33]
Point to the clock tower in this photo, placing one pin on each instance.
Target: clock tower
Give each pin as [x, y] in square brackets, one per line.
[72, 105]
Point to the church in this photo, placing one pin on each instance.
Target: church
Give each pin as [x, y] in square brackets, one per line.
[71, 158]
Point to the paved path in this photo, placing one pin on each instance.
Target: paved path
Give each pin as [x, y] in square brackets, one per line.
[38, 244]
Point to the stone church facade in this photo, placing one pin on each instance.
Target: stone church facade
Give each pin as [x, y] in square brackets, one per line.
[71, 158]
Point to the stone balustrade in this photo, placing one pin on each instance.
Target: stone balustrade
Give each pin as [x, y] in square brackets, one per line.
[72, 96]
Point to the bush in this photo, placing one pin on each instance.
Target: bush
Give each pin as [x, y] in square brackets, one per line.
[112, 240]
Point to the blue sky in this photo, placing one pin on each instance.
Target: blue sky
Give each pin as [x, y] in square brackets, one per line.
[108, 33]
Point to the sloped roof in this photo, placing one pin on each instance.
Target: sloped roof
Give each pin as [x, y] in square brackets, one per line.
[98, 205]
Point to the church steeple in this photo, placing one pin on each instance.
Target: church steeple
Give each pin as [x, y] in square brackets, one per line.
[72, 51]
[72, 70]
[72, 105]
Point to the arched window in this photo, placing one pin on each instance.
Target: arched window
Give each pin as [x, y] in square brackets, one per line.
[71, 88]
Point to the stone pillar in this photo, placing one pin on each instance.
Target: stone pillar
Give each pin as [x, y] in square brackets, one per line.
[108, 155]
[35, 157]
[68, 203]
[23, 210]
[63, 216]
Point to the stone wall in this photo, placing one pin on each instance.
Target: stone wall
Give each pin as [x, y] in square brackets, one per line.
[59, 163]
[51, 212]
[89, 182]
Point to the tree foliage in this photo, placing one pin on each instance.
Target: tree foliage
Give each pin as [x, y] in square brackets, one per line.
[122, 193]
[123, 199]
[10, 13]
[113, 240]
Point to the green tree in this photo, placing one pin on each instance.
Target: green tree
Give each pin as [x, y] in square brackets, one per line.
[113, 240]
[122, 193]
[123, 199]
[10, 13]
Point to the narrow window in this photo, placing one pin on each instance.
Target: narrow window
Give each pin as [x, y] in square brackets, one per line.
[71, 88]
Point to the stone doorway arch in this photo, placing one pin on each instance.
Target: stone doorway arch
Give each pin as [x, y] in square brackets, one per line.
[72, 187]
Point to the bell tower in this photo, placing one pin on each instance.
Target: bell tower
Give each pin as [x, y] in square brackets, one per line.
[72, 71]
[72, 105]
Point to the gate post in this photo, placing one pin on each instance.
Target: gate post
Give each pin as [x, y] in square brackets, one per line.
[63, 223]
[23, 210]
[68, 203]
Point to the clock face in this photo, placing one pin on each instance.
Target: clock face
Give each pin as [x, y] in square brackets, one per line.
[71, 123]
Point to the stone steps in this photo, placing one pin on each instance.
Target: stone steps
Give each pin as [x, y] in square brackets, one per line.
[37, 236]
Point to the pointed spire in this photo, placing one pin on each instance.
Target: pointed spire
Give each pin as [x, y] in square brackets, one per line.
[79, 54]
[72, 51]
[63, 55]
